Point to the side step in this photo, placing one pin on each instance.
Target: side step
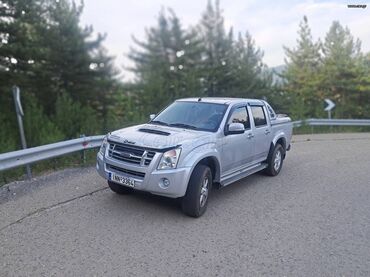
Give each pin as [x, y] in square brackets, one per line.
[235, 176]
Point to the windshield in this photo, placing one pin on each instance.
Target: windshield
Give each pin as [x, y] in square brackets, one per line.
[192, 115]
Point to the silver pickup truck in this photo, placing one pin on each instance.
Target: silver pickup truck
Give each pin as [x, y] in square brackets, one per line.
[194, 144]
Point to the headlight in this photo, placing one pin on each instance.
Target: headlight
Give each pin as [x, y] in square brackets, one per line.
[103, 146]
[170, 159]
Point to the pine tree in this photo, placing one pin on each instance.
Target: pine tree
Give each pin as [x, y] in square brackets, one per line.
[20, 22]
[250, 77]
[342, 71]
[75, 63]
[217, 57]
[302, 74]
[47, 54]
[165, 63]
[363, 101]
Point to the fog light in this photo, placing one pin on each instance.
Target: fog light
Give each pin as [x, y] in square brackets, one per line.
[164, 183]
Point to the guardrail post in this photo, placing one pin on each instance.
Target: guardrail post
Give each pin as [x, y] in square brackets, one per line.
[19, 112]
[83, 154]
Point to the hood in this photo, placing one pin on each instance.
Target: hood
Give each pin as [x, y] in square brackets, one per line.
[155, 136]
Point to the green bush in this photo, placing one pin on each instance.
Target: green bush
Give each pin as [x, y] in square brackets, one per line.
[8, 134]
[38, 128]
[73, 119]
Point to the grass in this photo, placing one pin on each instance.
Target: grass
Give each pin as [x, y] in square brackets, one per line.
[77, 159]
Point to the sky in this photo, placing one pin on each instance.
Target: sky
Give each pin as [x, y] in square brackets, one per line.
[272, 24]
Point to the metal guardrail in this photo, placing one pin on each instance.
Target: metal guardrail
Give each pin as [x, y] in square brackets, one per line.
[31, 155]
[332, 122]
[35, 154]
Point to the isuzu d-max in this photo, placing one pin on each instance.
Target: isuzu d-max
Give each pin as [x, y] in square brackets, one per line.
[194, 144]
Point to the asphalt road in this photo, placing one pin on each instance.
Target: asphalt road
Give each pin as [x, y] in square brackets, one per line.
[311, 220]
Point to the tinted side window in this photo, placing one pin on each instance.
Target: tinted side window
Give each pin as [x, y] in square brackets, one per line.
[240, 115]
[271, 112]
[258, 116]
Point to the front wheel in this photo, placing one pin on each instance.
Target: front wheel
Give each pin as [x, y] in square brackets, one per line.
[275, 161]
[195, 201]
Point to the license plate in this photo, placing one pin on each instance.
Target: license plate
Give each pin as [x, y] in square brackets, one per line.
[126, 181]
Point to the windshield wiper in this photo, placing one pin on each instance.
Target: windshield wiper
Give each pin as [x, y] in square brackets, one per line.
[183, 125]
[159, 122]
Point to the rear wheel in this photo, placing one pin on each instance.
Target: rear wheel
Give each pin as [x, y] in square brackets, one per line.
[120, 189]
[275, 160]
[195, 201]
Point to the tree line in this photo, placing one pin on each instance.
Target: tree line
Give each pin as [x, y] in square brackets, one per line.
[69, 83]
[334, 68]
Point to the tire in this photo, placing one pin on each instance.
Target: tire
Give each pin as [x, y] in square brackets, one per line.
[195, 201]
[275, 160]
[120, 189]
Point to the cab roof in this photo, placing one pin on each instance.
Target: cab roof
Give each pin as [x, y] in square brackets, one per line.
[222, 100]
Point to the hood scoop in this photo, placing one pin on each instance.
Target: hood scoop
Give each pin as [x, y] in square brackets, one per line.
[152, 131]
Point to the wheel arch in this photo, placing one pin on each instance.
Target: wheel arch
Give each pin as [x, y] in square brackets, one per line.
[277, 140]
[210, 160]
[213, 163]
[282, 142]
[281, 139]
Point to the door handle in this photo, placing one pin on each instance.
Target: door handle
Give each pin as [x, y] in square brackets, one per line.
[250, 135]
[267, 131]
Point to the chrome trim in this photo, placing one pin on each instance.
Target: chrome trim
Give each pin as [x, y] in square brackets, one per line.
[143, 158]
[130, 154]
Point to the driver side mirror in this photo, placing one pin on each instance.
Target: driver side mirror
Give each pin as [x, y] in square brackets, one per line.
[152, 116]
[235, 128]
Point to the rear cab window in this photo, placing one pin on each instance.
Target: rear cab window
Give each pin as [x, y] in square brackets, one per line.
[271, 111]
[259, 116]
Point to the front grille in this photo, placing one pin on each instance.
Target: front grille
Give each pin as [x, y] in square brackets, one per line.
[130, 153]
[126, 171]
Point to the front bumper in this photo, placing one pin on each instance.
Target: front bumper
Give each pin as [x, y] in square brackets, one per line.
[178, 177]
